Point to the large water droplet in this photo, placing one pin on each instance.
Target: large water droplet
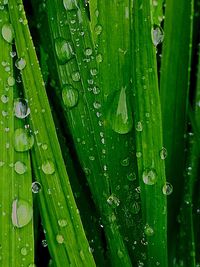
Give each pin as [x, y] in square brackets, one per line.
[64, 50]
[113, 201]
[69, 96]
[157, 35]
[70, 4]
[48, 167]
[167, 189]
[7, 32]
[20, 167]
[148, 230]
[120, 114]
[149, 176]
[21, 108]
[36, 187]
[20, 63]
[22, 213]
[23, 140]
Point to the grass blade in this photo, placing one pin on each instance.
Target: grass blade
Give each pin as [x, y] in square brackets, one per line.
[65, 235]
[16, 238]
[174, 86]
[149, 144]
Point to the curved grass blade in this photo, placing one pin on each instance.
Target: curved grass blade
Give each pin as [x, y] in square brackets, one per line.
[174, 86]
[65, 235]
[85, 119]
[147, 112]
[16, 238]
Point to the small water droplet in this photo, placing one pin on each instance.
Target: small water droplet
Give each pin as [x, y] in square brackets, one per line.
[98, 29]
[70, 4]
[113, 201]
[82, 255]
[4, 99]
[167, 189]
[23, 140]
[11, 81]
[139, 126]
[93, 72]
[60, 239]
[44, 243]
[22, 213]
[163, 153]
[125, 162]
[20, 63]
[21, 108]
[76, 76]
[120, 114]
[64, 50]
[44, 146]
[24, 251]
[135, 208]
[131, 176]
[96, 105]
[70, 96]
[157, 35]
[20, 167]
[148, 230]
[32, 265]
[149, 176]
[62, 223]
[88, 51]
[7, 32]
[99, 58]
[120, 254]
[96, 90]
[48, 167]
[36, 187]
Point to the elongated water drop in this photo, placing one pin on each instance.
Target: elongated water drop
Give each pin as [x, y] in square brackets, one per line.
[70, 4]
[119, 114]
[64, 50]
[48, 167]
[157, 35]
[69, 96]
[149, 176]
[21, 108]
[23, 140]
[7, 32]
[167, 189]
[20, 63]
[163, 153]
[22, 213]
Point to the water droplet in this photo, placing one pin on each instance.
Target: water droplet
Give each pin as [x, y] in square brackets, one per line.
[148, 230]
[70, 96]
[138, 154]
[44, 243]
[131, 176]
[120, 254]
[24, 251]
[60, 239]
[62, 222]
[149, 176]
[70, 4]
[32, 265]
[99, 58]
[119, 114]
[4, 99]
[163, 153]
[23, 140]
[139, 126]
[113, 201]
[125, 162]
[36, 187]
[20, 167]
[96, 90]
[64, 50]
[98, 29]
[135, 208]
[157, 35]
[7, 32]
[20, 63]
[82, 255]
[96, 105]
[22, 213]
[21, 108]
[93, 72]
[11, 81]
[88, 51]
[167, 189]
[48, 167]
[76, 76]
